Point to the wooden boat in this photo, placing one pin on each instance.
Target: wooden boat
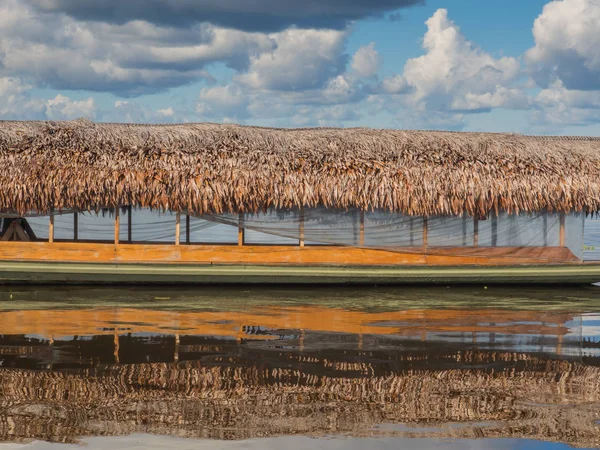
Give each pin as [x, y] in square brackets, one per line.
[300, 206]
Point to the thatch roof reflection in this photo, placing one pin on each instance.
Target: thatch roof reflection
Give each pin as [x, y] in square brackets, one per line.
[516, 394]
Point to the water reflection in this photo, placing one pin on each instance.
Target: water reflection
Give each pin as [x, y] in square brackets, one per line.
[371, 363]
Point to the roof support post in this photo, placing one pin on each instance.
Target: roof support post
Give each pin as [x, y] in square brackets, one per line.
[475, 231]
[561, 236]
[187, 228]
[362, 228]
[117, 225]
[51, 229]
[301, 226]
[177, 227]
[425, 232]
[129, 224]
[545, 229]
[241, 229]
[76, 226]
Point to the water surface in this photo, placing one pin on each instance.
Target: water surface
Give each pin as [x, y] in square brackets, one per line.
[314, 368]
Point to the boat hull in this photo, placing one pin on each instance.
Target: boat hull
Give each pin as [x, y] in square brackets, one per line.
[102, 273]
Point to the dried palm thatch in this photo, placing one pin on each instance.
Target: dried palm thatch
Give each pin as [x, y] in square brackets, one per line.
[208, 168]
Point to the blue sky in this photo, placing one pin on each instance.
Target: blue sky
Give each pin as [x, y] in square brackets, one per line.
[517, 66]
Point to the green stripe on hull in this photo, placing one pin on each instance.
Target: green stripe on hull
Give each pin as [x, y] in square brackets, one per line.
[21, 272]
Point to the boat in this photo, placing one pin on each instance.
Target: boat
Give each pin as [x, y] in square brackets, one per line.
[85, 202]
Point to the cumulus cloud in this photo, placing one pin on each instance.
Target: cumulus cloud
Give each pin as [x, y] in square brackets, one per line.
[132, 111]
[303, 59]
[455, 75]
[567, 34]
[61, 107]
[16, 102]
[366, 61]
[258, 15]
[219, 102]
[135, 58]
[396, 84]
[557, 107]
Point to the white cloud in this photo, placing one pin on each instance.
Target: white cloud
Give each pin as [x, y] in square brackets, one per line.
[220, 102]
[454, 74]
[396, 84]
[16, 102]
[166, 112]
[133, 58]
[131, 111]
[567, 34]
[61, 107]
[366, 61]
[558, 107]
[303, 59]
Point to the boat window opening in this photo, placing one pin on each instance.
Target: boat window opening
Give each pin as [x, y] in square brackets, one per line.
[309, 227]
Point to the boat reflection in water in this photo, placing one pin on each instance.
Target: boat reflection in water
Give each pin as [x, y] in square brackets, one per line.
[363, 363]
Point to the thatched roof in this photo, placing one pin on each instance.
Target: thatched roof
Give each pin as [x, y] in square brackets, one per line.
[227, 168]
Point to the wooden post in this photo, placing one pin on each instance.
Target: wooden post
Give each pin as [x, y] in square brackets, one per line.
[301, 226]
[562, 230]
[51, 230]
[464, 231]
[117, 225]
[362, 228]
[187, 228]
[411, 223]
[475, 231]
[241, 229]
[129, 224]
[177, 227]
[76, 226]
[425, 232]
[545, 229]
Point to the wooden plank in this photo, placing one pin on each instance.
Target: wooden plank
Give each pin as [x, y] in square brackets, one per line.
[20, 232]
[28, 230]
[177, 227]
[117, 225]
[281, 255]
[51, 229]
[8, 233]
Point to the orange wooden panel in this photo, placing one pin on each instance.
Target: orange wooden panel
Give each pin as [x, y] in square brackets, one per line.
[275, 255]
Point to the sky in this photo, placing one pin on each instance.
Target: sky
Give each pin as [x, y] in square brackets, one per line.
[511, 66]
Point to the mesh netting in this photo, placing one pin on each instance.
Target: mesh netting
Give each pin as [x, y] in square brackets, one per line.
[319, 226]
